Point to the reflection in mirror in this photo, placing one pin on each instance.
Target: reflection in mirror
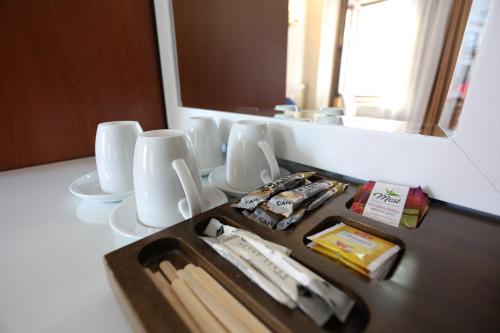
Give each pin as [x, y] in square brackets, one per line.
[390, 65]
[448, 119]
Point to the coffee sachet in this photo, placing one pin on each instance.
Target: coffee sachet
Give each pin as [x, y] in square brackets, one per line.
[254, 198]
[286, 202]
[261, 216]
[319, 201]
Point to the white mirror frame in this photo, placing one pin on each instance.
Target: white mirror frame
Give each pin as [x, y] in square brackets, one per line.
[462, 170]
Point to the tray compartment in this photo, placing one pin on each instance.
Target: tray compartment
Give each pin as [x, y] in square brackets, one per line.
[200, 226]
[349, 203]
[172, 249]
[333, 203]
[333, 220]
[239, 221]
[179, 253]
[357, 320]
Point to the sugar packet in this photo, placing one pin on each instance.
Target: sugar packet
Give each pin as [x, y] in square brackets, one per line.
[359, 250]
[221, 231]
[246, 268]
[282, 277]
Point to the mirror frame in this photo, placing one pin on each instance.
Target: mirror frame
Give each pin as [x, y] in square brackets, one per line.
[463, 169]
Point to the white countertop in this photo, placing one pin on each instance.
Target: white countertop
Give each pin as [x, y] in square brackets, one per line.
[51, 248]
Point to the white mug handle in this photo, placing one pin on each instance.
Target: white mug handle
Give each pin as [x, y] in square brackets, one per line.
[192, 194]
[271, 160]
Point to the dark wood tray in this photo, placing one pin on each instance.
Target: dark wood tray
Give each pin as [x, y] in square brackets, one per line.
[446, 278]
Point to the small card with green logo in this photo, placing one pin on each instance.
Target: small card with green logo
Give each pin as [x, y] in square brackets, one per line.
[386, 203]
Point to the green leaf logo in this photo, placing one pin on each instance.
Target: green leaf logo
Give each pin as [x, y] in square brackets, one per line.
[391, 193]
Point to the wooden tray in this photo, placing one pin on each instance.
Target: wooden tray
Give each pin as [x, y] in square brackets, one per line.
[446, 278]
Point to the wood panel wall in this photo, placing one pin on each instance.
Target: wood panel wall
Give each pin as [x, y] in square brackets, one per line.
[65, 66]
[232, 53]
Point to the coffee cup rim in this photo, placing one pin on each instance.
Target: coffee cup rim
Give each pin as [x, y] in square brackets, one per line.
[201, 118]
[162, 134]
[249, 122]
[118, 123]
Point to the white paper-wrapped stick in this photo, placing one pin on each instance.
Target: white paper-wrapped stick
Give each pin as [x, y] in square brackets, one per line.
[270, 288]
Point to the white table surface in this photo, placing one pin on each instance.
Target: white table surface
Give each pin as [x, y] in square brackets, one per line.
[51, 248]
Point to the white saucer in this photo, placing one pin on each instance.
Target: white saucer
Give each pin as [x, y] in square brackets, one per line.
[218, 179]
[87, 187]
[124, 220]
[206, 172]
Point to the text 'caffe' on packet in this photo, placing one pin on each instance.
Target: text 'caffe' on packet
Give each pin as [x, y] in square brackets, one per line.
[286, 202]
[255, 198]
[262, 217]
[298, 215]
[365, 253]
[396, 205]
[284, 279]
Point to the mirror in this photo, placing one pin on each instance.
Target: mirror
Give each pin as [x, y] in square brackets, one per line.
[390, 65]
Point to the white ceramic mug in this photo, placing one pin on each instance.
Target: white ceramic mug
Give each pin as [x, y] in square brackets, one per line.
[250, 156]
[166, 176]
[207, 144]
[114, 154]
[331, 111]
[337, 120]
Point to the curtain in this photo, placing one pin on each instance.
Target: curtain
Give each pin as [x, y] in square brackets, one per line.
[392, 51]
[326, 52]
[432, 19]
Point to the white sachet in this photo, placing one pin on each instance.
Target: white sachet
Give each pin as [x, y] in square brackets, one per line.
[267, 263]
[218, 230]
[250, 272]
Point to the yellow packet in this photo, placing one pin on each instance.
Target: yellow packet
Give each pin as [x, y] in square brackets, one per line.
[332, 255]
[355, 247]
